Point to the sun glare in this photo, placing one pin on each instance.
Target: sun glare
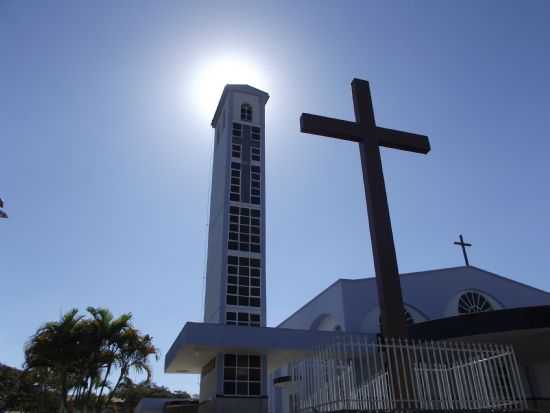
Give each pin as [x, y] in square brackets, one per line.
[213, 75]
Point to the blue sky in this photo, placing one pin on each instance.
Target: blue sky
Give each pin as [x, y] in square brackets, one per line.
[105, 149]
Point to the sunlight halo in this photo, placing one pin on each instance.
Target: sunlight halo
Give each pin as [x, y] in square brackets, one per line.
[212, 75]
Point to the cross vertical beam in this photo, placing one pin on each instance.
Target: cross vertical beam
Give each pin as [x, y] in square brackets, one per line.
[390, 296]
[370, 137]
[464, 245]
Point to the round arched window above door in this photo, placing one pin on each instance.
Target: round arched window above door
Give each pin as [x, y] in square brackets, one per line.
[473, 302]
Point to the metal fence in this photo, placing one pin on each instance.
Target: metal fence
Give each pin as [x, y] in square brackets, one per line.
[354, 374]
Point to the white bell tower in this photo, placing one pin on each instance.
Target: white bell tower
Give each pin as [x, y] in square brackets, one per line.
[235, 274]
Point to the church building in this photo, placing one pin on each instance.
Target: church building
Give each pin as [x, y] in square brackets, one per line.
[244, 365]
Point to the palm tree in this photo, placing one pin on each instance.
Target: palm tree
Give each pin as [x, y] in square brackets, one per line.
[109, 335]
[133, 355]
[83, 354]
[55, 347]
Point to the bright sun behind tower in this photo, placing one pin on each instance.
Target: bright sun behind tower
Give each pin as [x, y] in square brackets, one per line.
[214, 74]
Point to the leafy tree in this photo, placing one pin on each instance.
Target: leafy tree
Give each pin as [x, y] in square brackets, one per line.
[26, 391]
[131, 393]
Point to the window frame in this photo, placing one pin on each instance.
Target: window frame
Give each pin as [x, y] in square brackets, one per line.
[237, 369]
[246, 112]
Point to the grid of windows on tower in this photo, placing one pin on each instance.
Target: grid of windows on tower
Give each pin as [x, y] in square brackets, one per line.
[235, 189]
[242, 374]
[255, 184]
[255, 144]
[244, 229]
[236, 142]
[242, 319]
[243, 281]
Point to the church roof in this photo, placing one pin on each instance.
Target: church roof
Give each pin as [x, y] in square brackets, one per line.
[429, 292]
[447, 270]
[236, 88]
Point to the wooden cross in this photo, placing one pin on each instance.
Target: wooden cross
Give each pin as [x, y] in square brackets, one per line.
[370, 137]
[464, 245]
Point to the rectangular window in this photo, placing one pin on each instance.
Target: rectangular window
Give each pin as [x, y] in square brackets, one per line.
[255, 154]
[243, 285]
[242, 319]
[244, 227]
[242, 374]
[237, 129]
[255, 184]
[235, 188]
[236, 148]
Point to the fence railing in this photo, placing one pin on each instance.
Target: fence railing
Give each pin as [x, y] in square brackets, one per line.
[397, 374]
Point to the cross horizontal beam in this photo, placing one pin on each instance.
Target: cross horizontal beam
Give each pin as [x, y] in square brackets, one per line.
[352, 131]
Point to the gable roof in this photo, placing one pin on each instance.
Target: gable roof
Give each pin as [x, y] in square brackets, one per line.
[446, 270]
[450, 271]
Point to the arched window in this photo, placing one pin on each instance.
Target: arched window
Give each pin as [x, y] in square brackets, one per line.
[473, 302]
[246, 112]
[325, 322]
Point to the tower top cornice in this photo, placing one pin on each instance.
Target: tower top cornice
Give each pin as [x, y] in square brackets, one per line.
[237, 88]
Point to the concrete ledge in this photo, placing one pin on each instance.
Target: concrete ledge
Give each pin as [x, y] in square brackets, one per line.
[197, 343]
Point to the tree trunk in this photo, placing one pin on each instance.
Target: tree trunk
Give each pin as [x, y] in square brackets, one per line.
[112, 393]
[103, 384]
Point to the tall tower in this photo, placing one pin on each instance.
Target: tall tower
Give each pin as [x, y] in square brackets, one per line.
[235, 274]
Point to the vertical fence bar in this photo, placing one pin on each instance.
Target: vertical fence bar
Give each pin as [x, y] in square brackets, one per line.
[499, 376]
[387, 389]
[374, 383]
[504, 377]
[509, 376]
[368, 394]
[360, 394]
[443, 376]
[458, 377]
[318, 377]
[448, 374]
[435, 374]
[426, 362]
[329, 376]
[471, 369]
[308, 388]
[412, 365]
[484, 374]
[357, 373]
[345, 376]
[488, 361]
[478, 374]
[393, 369]
[383, 377]
[338, 376]
[463, 377]
[349, 374]
[519, 380]
[416, 371]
